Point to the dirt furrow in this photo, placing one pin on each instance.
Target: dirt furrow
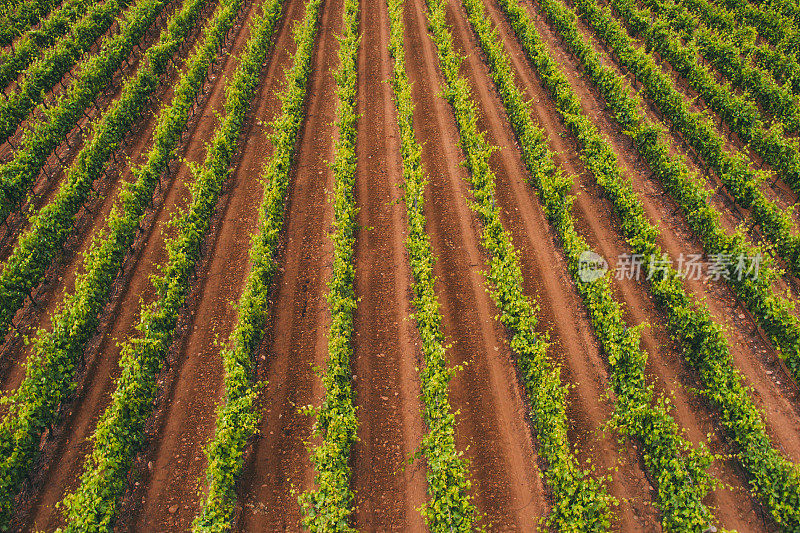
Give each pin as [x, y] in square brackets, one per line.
[671, 375]
[491, 426]
[385, 341]
[278, 468]
[753, 354]
[65, 453]
[171, 471]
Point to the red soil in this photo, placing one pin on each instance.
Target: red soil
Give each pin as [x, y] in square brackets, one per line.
[493, 426]
[385, 344]
[279, 467]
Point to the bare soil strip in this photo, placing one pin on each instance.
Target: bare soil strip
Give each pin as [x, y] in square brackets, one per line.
[385, 341]
[171, 472]
[66, 451]
[278, 468]
[491, 427]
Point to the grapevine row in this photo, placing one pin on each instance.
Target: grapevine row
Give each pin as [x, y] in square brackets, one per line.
[34, 42]
[773, 26]
[786, 8]
[782, 67]
[51, 367]
[677, 470]
[329, 506]
[41, 76]
[20, 16]
[237, 417]
[53, 224]
[580, 503]
[774, 315]
[450, 507]
[725, 56]
[775, 480]
[738, 111]
[120, 433]
[44, 136]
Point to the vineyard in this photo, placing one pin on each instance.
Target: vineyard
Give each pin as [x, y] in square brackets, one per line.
[443, 265]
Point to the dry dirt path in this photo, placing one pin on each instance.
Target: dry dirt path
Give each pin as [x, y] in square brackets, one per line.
[278, 467]
[385, 341]
[491, 424]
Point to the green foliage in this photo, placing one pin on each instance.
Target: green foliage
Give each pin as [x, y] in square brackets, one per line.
[237, 418]
[329, 506]
[743, 117]
[580, 502]
[774, 479]
[774, 313]
[450, 507]
[725, 55]
[53, 224]
[783, 67]
[17, 17]
[48, 380]
[679, 472]
[120, 433]
[41, 76]
[770, 23]
[31, 46]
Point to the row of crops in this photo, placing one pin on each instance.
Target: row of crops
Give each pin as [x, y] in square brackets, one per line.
[751, 86]
[706, 347]
[58, 352]
[450, 507]
[120, 432]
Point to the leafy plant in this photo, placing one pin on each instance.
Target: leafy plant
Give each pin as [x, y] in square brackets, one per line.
[41, 76]
[31, 46]
[17, 17]
[678, 470]
[774, 313]
[450, 507]
[57, 353]
[581, 502]
[52, 225]
[120, 433]
[329, 506]
[237, 418]
[774, 479]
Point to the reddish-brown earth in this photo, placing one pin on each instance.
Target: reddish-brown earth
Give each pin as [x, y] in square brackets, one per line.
[492, 421]
[385, 344]
[279, 467]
